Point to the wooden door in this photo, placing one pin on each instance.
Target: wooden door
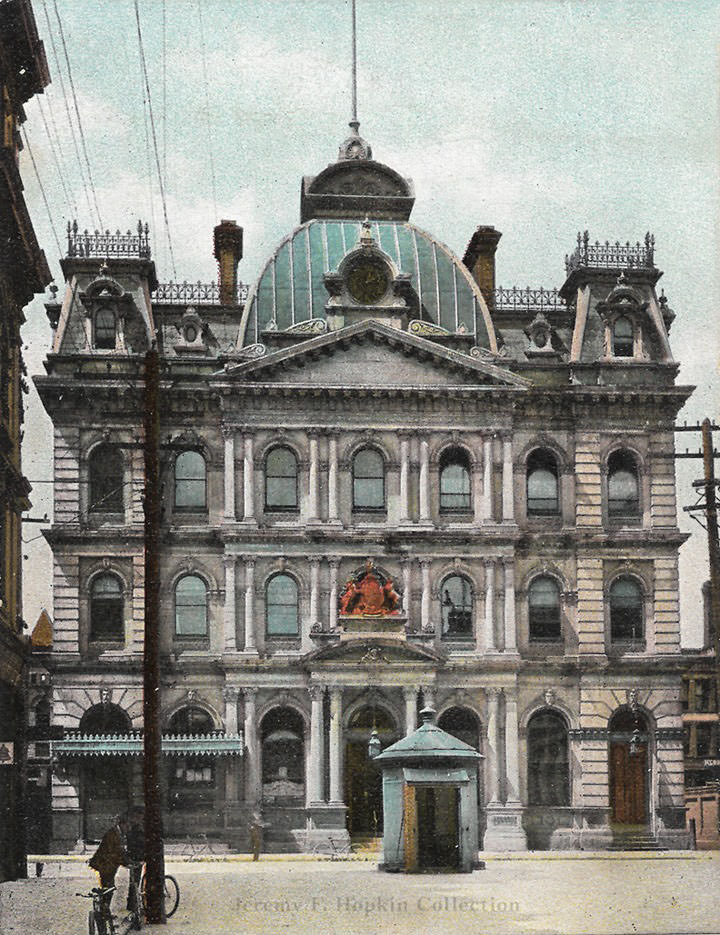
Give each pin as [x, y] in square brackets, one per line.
[628, 783]
[410, 828]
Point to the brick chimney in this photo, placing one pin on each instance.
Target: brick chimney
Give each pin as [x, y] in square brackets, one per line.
[228, 240]
[480, 260]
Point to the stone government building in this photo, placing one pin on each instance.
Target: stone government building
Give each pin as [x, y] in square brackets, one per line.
[387, 483]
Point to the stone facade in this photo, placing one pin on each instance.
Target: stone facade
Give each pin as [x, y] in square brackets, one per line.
[372, 417]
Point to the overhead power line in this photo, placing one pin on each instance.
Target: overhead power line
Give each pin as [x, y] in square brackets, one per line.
[58, 157]
[208, 124]
[42, 191]
[61, 82]
[154, 136]
[77, 113]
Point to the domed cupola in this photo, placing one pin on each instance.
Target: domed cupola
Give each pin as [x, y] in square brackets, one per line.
[356, 187]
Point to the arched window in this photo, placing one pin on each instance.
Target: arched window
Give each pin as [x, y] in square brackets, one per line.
[463, 724]
[281, 480]
[548, 768]
[107, 609]
[105, 480]
[542, 483]
[622, 337]
[105, 718]
[105, 329]
[190, 481]
[368, 478]
[626, 610]
[283, 754]
[191, 779]
[544, 609]
[281, 606]
[623, 487]
[454, 481]
[191, 606]
[456, 604]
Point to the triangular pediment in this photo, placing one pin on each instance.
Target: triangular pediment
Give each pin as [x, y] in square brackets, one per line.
[371, 353]
[375, 653]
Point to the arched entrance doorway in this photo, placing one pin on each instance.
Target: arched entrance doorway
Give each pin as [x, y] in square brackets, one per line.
[629, 786]
[105, 781]
[283, 757]
[465, 725]
[363, 779]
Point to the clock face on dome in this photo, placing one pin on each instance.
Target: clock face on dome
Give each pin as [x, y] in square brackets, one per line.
[368, 282]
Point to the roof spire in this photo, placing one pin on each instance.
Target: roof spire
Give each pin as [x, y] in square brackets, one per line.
[354, 147]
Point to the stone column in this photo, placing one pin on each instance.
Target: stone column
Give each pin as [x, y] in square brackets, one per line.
[425, 600]
[333, 508]
[248, 479]
[229, 609]
[404, 477]
[512, 751]
[490, 643]
[493, 760]
[252, 787]
[336, 745]
[410, 695]
[428, 693]
[508, 495]
[424, 481]
[487, 498]
[317, 729]
[510, 624]
[250, 640]
[407, 578]
[477, 493]
[314, 591]
[313, 478]
[229, 467]
[333, 593]
[231, 693]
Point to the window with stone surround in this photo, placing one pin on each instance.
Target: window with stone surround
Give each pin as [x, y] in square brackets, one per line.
[368, 480]
[105, 327]
[623, 337]
[191, 779]
[281, 480]
[542, 483]
[548, 762]
[623, 485]
[454, 481]
[191, 617]
[107, 609]
[626, 611]
[544, 609]
[281, 607]
[105, 480]
[457, 608]
[190, 481]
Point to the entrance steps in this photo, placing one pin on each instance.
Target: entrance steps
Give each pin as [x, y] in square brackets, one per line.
[634, 839]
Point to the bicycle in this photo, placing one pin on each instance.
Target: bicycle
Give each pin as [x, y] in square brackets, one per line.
[335, 849]
[171, 894]
[100, 920]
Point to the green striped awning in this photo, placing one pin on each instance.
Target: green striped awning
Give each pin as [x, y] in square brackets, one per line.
[214, 743]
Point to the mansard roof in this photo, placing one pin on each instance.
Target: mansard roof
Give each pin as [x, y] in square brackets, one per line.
[291, 287]
[401, 345]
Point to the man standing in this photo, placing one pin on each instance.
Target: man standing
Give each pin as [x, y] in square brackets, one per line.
[111, 854]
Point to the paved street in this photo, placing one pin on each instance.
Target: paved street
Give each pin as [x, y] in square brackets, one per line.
[554, 895]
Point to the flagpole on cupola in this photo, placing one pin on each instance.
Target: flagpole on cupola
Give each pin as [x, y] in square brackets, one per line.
[354, 122]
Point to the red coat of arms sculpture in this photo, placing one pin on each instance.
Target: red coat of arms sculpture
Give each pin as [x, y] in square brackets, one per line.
[369, 595]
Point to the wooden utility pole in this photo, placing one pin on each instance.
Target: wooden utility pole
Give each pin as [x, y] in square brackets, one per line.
[154, 856]
[713, 544]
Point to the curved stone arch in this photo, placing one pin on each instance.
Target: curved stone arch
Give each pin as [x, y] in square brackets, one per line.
[378, 700]
[628, 571]
[190, 567]
[461, 570]
[543, 570]
[285, 568]
[620, 444]
[640, 709]
[544, 442]
[274, 704]
[98, 440]
[450, 444]
[108, 567]
[540, 705]
[172, 709]
[353, 447]
[453, 700]
[191, 441]
[104, 284]
[280, 441]
[368, 251]
[109, 705]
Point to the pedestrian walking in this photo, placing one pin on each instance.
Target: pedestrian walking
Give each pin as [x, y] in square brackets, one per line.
[111, 854]
[256, 834]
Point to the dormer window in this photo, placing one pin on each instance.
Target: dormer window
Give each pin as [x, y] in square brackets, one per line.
[105, 329]
[623, 343]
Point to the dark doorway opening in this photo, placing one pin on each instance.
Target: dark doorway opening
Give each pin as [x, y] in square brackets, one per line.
[438, 827]
[363, 778]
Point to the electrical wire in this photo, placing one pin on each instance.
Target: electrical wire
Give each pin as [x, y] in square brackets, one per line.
[207, 108]
[154, 136]
[58, 158]
[61, 82]
[42, 190]
[77, 113]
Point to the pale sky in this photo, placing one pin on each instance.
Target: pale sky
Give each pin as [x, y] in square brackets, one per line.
[541, 118]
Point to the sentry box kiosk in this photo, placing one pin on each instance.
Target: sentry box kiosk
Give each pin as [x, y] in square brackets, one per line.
[430, 802]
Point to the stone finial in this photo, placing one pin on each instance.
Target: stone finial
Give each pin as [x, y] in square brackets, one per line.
[427, 715]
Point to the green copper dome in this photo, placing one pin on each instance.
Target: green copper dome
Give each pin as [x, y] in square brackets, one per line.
[291, 288]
